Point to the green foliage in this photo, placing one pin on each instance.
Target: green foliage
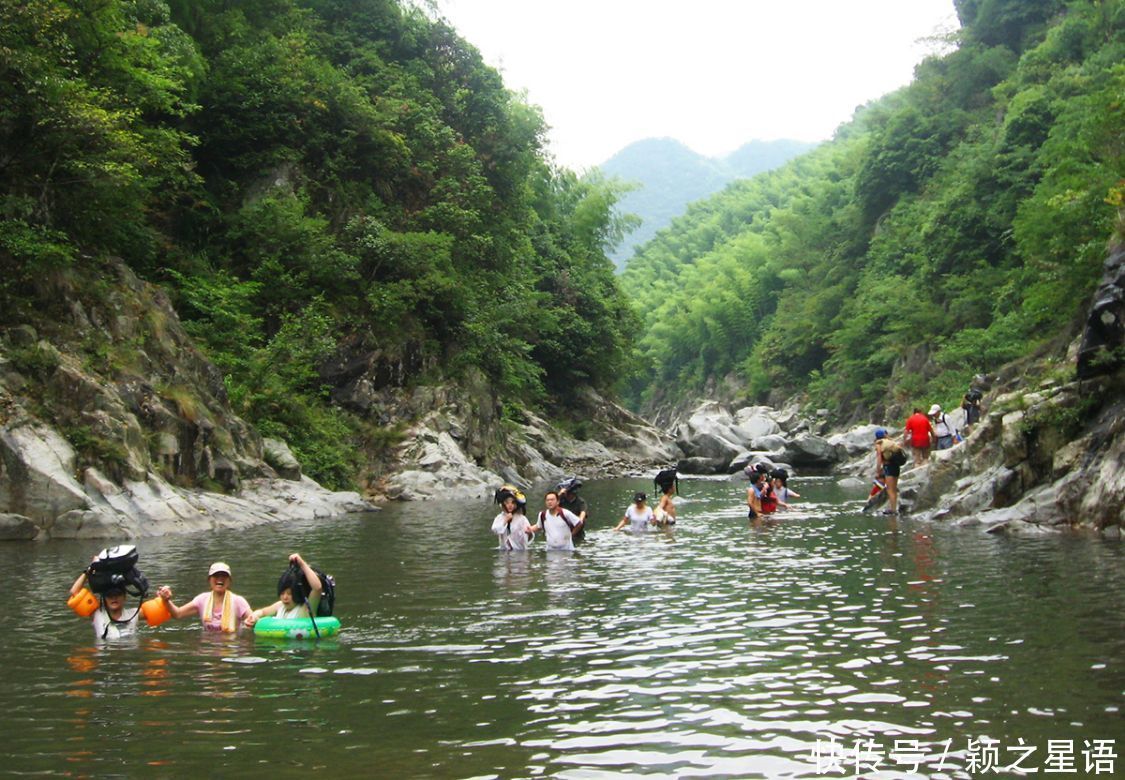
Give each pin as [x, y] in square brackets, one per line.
[951, 227]
[310, 179]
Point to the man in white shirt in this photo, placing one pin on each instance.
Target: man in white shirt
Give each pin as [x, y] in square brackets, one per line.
[560, 525]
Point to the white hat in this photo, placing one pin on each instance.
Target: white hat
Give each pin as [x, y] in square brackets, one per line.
[935, 409]
[219, 568]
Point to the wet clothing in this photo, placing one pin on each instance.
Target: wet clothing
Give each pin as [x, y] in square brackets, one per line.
[513, 536]
[214, 621]
[558, 527]
[107, 628]
[576, 505]
[768, 497]
[293, 613]
[639, 519]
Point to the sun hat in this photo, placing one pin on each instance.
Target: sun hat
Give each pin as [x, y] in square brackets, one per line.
[218, 567]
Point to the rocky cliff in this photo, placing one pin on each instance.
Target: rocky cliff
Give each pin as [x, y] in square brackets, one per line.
[113, 424]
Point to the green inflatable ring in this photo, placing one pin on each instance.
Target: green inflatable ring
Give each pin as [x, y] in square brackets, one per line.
[296, 628]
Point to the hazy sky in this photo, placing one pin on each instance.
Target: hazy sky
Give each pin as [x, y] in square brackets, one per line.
[711, 73]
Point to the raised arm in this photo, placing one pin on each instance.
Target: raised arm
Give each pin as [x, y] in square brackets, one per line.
[310, 576]
[81, 581]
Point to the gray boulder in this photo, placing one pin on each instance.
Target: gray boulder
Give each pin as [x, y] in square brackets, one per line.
[278, 455]
[754, 422]
[810, 450]
[17, 527]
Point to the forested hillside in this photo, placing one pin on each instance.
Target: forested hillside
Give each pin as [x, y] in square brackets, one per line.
[951, 227]
[315, 183]
[665, 176]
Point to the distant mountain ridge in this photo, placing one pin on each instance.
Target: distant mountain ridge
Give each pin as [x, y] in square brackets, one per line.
[671, 176]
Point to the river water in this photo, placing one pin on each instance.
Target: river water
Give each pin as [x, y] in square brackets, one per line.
[827, 643]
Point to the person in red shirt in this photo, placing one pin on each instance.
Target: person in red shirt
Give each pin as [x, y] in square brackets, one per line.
[921, 435]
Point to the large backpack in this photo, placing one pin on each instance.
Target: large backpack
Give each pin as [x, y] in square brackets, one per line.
[294, 579]
[893, 453]
[665, 478]
[116, 568]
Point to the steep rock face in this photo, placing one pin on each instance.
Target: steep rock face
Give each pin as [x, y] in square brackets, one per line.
[1048, 456]
[1103, 339]
[457, 444]
[113, 424]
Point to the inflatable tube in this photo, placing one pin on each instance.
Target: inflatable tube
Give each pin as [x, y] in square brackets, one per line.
[296, 628]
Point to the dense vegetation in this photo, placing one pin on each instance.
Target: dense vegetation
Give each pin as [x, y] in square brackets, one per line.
[307, 178]
[665, 176]
[950, 227]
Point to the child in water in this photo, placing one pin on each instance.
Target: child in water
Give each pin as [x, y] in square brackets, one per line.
[290, 604]
[109, 619]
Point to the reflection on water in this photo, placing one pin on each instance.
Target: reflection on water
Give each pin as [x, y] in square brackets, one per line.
[820, 639]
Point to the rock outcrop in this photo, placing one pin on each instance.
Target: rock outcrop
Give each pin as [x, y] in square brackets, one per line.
[112, 424]
[1044, 458]
[461, 448]
[717, 440]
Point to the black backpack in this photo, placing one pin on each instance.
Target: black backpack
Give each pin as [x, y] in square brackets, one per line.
[665, 478]
[294, 579]
[116, 569]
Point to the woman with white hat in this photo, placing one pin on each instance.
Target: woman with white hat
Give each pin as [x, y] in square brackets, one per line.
[220, 608]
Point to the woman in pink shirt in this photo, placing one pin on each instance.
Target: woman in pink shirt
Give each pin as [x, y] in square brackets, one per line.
[220, 609]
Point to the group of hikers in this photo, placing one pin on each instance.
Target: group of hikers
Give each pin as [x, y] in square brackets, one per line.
[923, 432]
[563, 517]
[112, 575]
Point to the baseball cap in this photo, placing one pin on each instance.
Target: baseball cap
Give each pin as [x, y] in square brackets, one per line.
[218, 567]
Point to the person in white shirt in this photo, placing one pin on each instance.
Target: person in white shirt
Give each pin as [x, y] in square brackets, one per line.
[942, 429]
[558, 524]
[638, 515]
[512, 525]
[109, 619]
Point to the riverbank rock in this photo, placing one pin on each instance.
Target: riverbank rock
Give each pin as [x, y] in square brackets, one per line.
[460, 446]
[1044, 458]
[716, 440]
[140, 443]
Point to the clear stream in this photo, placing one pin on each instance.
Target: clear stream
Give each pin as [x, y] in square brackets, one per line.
[826, 643]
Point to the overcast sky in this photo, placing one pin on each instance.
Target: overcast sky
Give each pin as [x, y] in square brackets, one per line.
[714, 74]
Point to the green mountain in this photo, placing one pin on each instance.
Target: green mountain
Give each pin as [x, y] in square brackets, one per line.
[667, 176]
[951, 227]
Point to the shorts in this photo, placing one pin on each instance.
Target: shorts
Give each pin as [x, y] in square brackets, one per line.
[891, 470]
[944, 442]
